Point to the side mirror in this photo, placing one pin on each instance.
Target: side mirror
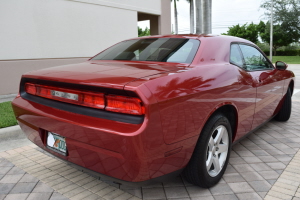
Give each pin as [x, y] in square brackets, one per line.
[281, 65]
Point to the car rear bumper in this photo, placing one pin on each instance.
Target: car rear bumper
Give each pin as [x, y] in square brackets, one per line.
[128, 152]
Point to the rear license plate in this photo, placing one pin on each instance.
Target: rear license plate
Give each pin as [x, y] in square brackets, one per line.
[57, 143]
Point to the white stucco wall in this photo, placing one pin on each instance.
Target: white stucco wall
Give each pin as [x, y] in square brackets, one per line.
[146, 6]
[36, 34]
[35, 29]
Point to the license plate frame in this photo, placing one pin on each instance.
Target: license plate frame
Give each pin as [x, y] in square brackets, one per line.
[57, 143]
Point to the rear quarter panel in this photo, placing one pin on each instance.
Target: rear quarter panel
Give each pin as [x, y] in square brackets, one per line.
[187, 99]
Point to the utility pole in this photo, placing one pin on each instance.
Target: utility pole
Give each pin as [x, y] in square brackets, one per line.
[271, 32]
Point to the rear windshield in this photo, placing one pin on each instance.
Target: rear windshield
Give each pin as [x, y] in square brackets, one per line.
[153, 49]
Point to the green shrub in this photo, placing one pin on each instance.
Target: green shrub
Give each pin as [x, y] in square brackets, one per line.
[292, 52]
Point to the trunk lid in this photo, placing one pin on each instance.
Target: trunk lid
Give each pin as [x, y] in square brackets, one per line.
[112, 74]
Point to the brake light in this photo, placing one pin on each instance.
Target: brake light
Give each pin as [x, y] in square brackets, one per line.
[30, 88]
[93, 100]
[128, 105]
[124, 105]
[89, 99]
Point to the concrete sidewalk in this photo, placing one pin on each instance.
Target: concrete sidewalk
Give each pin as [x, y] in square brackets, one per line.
[7, 97]
[265, 165]
[11, 138]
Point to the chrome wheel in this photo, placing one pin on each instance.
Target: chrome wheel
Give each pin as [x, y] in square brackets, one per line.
[217, 150]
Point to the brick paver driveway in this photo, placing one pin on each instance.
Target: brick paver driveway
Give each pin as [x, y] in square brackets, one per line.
[266, 164]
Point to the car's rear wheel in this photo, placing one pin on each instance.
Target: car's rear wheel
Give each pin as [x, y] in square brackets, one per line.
[286, 108]
[210, 158]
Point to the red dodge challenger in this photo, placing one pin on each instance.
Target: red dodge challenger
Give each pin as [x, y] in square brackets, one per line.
[151, 107]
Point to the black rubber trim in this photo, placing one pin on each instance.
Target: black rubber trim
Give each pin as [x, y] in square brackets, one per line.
[131, 119]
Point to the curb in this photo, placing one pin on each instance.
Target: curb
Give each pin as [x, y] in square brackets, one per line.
[11, 133]
[7, 97]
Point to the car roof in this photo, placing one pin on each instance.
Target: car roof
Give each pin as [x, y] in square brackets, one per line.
[195, 36]
[198, 37]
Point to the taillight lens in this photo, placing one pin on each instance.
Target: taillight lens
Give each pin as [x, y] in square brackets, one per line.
[94, 100]
[89, 99]
[30, 88]
[124, 105]
[128, 105]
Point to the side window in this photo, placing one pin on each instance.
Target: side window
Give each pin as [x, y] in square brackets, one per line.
[235, 55]
[254, 60]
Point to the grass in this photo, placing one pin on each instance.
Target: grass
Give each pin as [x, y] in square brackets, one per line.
[7, 117]
[287, 59]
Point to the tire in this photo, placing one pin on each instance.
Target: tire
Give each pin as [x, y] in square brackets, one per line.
[286, 108]
[204, 168]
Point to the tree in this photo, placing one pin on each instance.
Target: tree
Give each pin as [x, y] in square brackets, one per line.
[142, 32]
[282, 35]
[285, 12]
[176, 17]
[206, 16]
[203, 16]
[192, 24]
[248, 32]
[198, 4]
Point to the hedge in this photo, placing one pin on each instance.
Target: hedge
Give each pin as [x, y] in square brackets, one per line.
[285, 53]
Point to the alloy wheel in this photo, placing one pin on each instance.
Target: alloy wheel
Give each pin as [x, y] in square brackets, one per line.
[217, 150]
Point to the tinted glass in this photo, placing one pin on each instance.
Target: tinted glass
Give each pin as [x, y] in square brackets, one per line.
[153, 49]
[254, 60]
[235, 55]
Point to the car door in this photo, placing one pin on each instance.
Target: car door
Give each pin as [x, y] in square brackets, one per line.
[269, 86]
[246, 93]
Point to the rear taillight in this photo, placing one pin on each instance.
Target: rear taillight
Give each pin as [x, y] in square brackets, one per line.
[94, 100]
[124, 105]
[121, 104]
[88, 99]
[30, 88]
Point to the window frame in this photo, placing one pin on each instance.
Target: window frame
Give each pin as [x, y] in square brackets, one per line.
[243, 59]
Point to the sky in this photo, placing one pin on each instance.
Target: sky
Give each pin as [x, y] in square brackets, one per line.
[225, 13]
